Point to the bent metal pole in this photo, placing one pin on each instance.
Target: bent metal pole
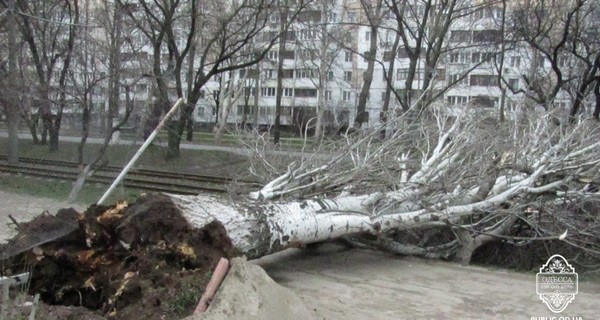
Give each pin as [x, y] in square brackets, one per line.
[140, 151]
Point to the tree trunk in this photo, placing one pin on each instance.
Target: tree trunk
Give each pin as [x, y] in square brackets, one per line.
[174, 139]
[85, 173]
[13, 134]
[44, 139]
[12, 110]
[32, 123]
[597, 95]
[279, 93]
[54, 129]
[502, 111]
[389, 81]
[579, 96]
[255, 106]
[85, 131]
[361, 114]
[257, 229]
[189, 129]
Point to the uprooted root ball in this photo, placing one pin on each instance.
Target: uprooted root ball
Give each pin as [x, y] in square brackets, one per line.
[127, 261]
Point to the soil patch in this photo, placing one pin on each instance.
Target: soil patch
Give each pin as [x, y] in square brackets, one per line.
[139, 261]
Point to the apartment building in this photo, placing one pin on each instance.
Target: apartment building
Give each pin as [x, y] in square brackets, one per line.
[476, 67]
[325, 57]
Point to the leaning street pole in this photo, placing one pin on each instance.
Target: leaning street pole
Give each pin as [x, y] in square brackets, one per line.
[140, 151]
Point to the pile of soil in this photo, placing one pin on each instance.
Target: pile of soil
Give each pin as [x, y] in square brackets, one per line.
[138, 261]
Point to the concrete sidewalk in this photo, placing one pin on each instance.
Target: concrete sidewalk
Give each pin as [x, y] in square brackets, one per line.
[24, 207]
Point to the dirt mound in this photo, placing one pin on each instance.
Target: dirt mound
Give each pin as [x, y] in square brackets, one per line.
[139, 261]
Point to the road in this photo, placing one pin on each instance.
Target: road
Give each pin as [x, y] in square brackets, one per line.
[337, 283]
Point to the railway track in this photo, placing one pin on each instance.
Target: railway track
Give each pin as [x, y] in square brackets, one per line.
[143, 179]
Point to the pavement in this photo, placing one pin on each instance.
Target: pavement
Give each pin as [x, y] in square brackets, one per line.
[24, 207]
[334, 282]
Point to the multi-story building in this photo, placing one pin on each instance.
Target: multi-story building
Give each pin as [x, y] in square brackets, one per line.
[325, 57]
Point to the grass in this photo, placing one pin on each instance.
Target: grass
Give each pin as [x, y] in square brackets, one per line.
[59, 190]
[190, 161]
[198, 161]
[228, 139]
[186, 298]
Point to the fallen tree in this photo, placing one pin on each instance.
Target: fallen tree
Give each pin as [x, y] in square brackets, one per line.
[466, 175]
[440, 187]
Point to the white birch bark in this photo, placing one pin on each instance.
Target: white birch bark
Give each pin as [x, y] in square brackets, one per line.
[440, 191]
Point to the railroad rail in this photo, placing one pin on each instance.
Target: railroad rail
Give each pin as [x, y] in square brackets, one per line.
[143, 179]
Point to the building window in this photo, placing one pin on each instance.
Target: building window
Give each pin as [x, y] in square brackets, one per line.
[478, 57]
[307, 35]
[273, 55]
[141, 88]
[328, 95]
[457, 100]
[368, 36]
[330, 75]
[263, 111]
[305, 92]
[482, 80]
[288, 92]
[457, 80]
[484, 101]
[305, 73]
[459, 58]
[383, 96]
[274, 18]
[440, 74]
[200, 111]
[347, 75]
[460, 36]
[269, 73]
[515, 62]
[332, 17]
[348, 56]
[351, 17]
[346, 95]
[307, 53]
[287, 73]
[267, 92]
[388, 56]
[402, 74]
[490, 36]
[513, 84]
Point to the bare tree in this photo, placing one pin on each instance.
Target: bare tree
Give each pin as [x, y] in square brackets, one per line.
[224, 43]
[9, 71]
[547, 30]
[466, 176]
[373, 14]
[51, 45]
[283, 12]
[230, 93]
[109, 35]
[425, 30]
[318, 57]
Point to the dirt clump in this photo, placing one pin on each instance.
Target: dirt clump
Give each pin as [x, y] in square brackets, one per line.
[138, 261]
